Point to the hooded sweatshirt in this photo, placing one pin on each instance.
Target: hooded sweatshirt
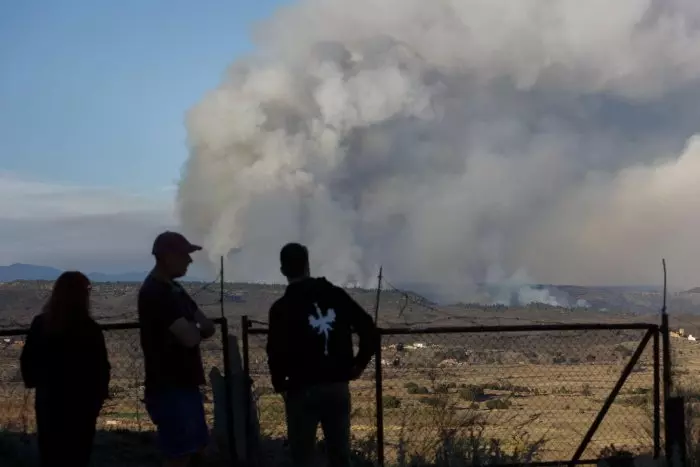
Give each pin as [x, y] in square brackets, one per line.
[310, 336]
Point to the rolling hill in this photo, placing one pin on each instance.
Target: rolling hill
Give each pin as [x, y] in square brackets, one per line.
[32, 272]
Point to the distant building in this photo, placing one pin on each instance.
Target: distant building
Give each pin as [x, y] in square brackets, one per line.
[416, 345]
[12, 341]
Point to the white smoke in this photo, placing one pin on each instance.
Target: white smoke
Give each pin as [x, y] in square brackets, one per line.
[457, 142]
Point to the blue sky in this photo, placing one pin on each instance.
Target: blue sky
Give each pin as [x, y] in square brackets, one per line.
[93, 96]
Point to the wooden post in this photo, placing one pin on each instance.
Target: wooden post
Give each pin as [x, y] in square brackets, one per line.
[240, 401]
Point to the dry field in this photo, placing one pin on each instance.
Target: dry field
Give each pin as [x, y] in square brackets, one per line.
[510, 392]
[538, 391]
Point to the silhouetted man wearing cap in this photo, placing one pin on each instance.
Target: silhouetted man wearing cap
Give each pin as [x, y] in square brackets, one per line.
[311, 357]
[172, 326]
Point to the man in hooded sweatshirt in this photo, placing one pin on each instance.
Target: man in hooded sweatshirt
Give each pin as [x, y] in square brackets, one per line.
[311, 357]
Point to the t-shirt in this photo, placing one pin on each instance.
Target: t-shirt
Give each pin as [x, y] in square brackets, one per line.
[168, 363]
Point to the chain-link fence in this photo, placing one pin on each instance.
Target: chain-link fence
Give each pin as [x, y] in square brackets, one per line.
[500, 395]
[125, 433]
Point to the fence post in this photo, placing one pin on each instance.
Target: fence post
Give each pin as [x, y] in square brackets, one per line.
[228, 380]
[379, 400]
[675, 430]
[657, 395]
[247, 384]
[666, 340]
[666, 336]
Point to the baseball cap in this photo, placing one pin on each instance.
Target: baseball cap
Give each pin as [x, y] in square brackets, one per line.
[173, 242]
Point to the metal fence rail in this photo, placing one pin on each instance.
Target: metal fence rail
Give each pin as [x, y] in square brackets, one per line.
[125, 432]
[533, 394]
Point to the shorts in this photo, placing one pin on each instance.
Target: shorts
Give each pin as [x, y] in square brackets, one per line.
[178, 415]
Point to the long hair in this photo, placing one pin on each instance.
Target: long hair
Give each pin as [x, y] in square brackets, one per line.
[68, 307]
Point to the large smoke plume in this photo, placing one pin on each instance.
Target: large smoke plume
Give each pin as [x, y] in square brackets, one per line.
[457, 142]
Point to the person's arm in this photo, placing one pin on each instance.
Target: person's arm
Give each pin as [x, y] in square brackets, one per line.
[29, 360]
[206, 326]
[104, 368]
[365, 328]
[170, 312]
[186, 332]
[277, 348]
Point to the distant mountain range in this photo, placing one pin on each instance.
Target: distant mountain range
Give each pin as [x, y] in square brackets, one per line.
[32, 272]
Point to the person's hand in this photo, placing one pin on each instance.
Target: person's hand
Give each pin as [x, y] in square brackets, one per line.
[206, 331]
[205, 325]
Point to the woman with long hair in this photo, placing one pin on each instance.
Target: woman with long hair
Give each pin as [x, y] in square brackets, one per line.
[65, 359]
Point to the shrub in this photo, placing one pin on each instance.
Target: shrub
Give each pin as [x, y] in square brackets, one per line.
[617, 457]
[622, 350]
[391, 402]
[471, 393]
[364, 451]
[558, 360]
[442, 388]
[415, 389]
[507, 386]
[469, 447]
[431, 401]
[498, 404]
[638, 400]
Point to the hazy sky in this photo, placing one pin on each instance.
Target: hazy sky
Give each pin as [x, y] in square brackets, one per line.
[457, 142]
[93, 96]
[476, 140]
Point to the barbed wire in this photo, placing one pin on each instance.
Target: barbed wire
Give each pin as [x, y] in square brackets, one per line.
[207, 286]
[411, 297]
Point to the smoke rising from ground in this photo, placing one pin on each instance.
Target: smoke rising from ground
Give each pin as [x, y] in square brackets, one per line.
[457, 142]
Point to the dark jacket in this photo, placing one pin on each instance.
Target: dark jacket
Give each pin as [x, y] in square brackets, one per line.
[310, 336]
[69, 368]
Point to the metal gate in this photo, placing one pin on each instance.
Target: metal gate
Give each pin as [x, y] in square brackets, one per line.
[477, 341]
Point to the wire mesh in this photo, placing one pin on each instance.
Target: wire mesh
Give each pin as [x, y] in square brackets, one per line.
[505, 396]
[511, 397]
[125, 432]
